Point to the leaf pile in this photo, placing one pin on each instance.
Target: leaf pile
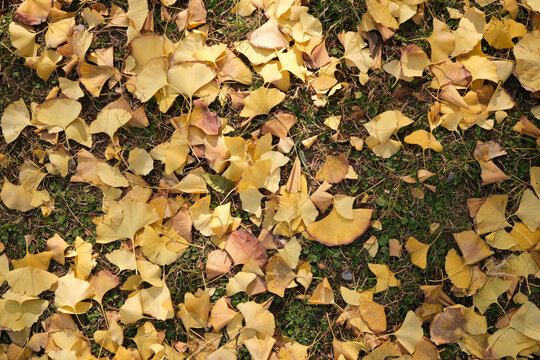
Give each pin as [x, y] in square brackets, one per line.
[157, 200]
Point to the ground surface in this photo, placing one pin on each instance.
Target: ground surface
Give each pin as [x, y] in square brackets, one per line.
[401, 215]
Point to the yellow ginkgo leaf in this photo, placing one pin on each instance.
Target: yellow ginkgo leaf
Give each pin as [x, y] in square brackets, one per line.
[381, 14]
[122, 258]
[356, 51]
[257, 318]
[109, 119]
[110, 175]
[491, 215]
[172, 153]
[385, 278]
[83, 261]
[413, 61]
[260, 349]
[188, 77]
[346, 350]
[333, 170]
[162, 249]
[56, 114]
[490, 292]
[30, 280]
[18, 312]
[14, 120]
[410, 332]
[33, 12]
[140, 161]
[125, 218]
[457, 271]
[278, 275]
[527, 53]
[525, 320]
[529, 210]
[324, 230]
[425, 139]
[221, 314]
[58, 31]
[323, 294]
[535, 179]
[102, 282]
[268, 36]
[418, 252]
[508, 343]
[70, 294]
[150, 79]
[261, 101]
[473, 248]
[441, 41]
[500, 34]
[22, 40]
[16, 197]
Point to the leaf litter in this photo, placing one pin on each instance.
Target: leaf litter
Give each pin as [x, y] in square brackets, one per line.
[154, 226]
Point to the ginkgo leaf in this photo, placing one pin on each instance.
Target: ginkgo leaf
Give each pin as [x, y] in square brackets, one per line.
[30, 280]
[333, 169]
[101, 283]
[110, 175]
[525, 320]
[529, 208]
[188, 77]
[457, 271]
[70, 294]
[221, 314]
[260, 349]
[441, 41]
[473, 248]
[22, 40]
[150, 79]
[410, 333]
[162, 249]
[16, 197]
[56, 114]
[242, 246]
[324, 230]
[413, 61]
[527, 53]
[385, 278]
[58, 31]
[18, 312]
[257, 318]
[14, 119]
[381, 14]
[109, 120]
[261, 101]
[490, 292]
[507, 342]
[267, 36]
[491, 214]
[425, 139]
[140, 161]
[418, 252]
[123, 259]
[278, 275]
[240, 282]
[323, 294]
[448, 326]
[218, 262]
[499, 34]
[346, 350]
[135, 215]
[33, 12]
